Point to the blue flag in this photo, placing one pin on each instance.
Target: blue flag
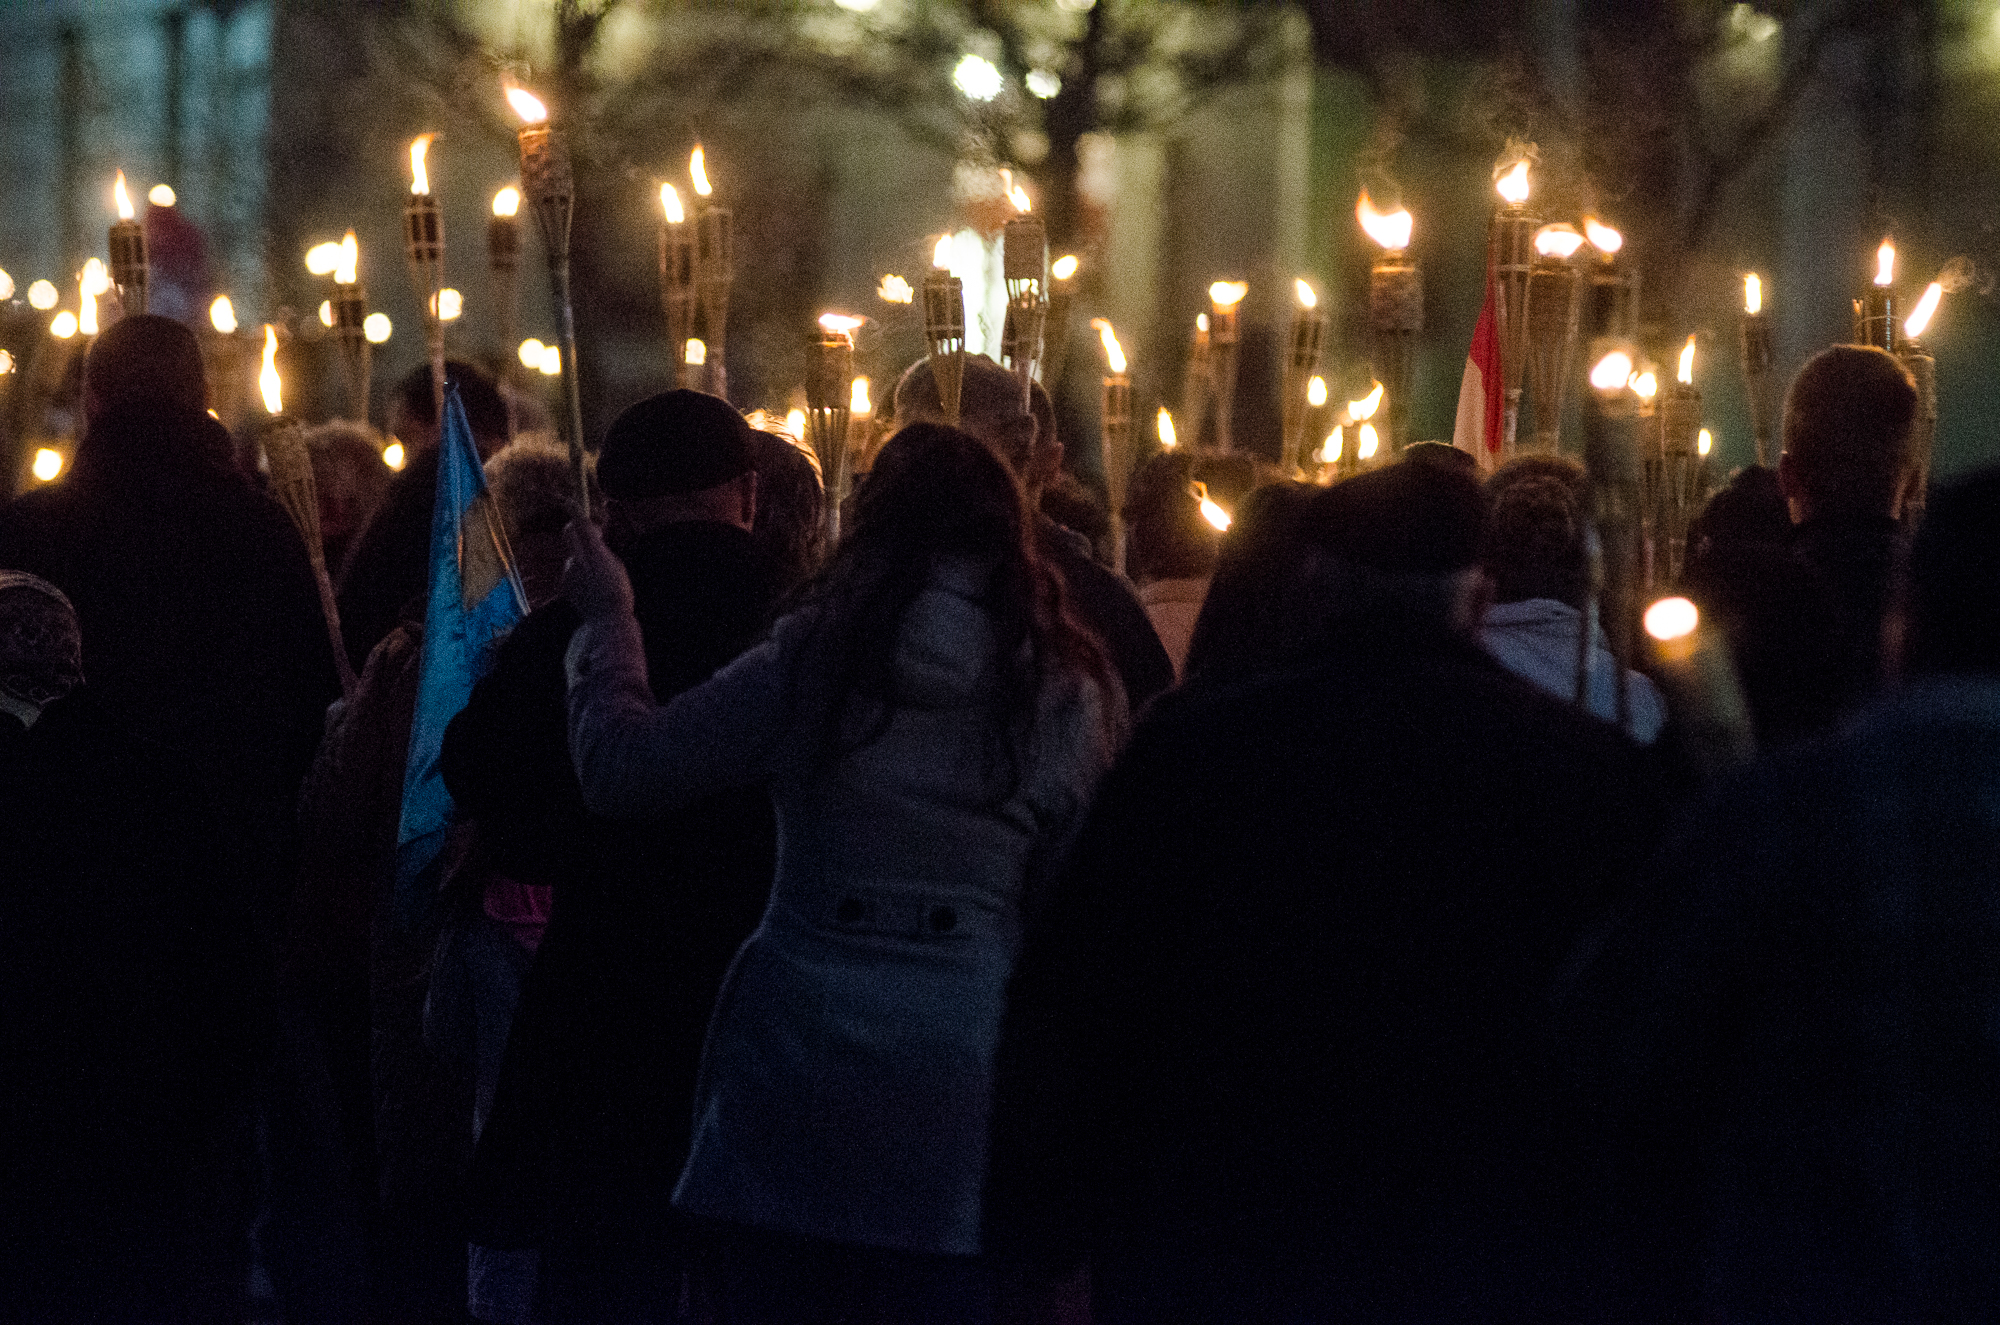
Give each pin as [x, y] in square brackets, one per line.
[475, 599]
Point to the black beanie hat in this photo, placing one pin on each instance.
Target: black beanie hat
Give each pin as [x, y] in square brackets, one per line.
[676, 442]
[1409, 518]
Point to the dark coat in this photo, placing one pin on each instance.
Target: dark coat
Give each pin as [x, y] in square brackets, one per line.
[591, 1121]
[388, 562]
[1104, 603]
[1282, 1034]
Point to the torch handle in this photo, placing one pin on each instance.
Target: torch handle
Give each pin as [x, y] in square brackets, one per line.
[572, 399]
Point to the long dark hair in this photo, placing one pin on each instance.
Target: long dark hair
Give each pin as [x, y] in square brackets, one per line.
[936, 493]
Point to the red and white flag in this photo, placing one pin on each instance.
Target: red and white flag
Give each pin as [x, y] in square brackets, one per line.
[1480, 397]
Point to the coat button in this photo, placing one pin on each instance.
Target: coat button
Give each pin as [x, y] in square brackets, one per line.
[850, 911]
[943, 919]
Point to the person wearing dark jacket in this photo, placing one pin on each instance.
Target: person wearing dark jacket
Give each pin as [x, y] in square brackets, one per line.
[590, 1124]
[1278, 1048]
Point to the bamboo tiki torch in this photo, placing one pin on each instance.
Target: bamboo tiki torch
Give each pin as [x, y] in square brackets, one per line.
[715, 262]
[1025, 267]
[550, 186]
[1225, 300]
[1055, 340]
[1611, 295]
[1367, 450]
[128, 252]
[679, 282]
[1681, 461]
[1757, 368]
[1395, 311]
[944, 328]
[1195, 384]
[1611, 461]
[1652, 476]
[829, 403]
[1308, 330]
[1875, 311]
[1554, 299]
[1923, 367]
[350, 328]
[860, 426]
[1116, 436]
[503, 264]
[423, 245]
[1692, 664]
[1510, 257]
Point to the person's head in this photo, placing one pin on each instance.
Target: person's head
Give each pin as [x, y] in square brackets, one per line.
[791, 502]
[1166, 537]
[1403, 540]
[1749, 509]
[413, 407]
[144, 360]
[1534, 545]
[1076, 506]
[1251, 618]
[1951, 613]
[535, 492]
[1847, 452]
[991, 408]
[680, 455]
[1540, 466]
[349, 477]
[41, 645]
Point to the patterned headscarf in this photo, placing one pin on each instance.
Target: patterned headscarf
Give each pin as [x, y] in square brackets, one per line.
[41, 645]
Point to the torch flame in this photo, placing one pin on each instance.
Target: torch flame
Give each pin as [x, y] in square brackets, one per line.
[1329, 451]
[267, 380]
[1113, 354]
[1366, 443]
[1365, 407]
[1753, 293]
[695, 353]
[527, 105]
[222, 315]
[1646, 383]
[698, 171]
[1686, 373]
[1885, 263]
[507, 202]
[1672, 619]
[1389, 229]
[1201, 323]
[1613, 372]
[1227, 294]
[162, 195]
[1063, 267]
[1316, 391]
[1927, 307]
[1559, 241]
[840, 322]
[1513, 185]
[1307, 299]
[1704, 442]
[857, 398]
[1211, 510]
[1166, 427]
[123, 199]
[96, 279]
[321, 259]
[941, 252]
[1602, 237]
[895, 290]
[1019, 197]
[670, 203]
[348, 269]
[420, 178]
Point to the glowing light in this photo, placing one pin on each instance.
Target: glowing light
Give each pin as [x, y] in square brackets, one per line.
[1365, 407]
[48, 464]
[326, 312]
[1685, 373]
[6, 363]
[63, 325]
[42, 296]
[394, 456]
[695, 352]
[857, 398]
[1672, 619]
[1201, 323]
[670, 203]
[162, 195]
[1316, 391]
[1307, 299]
[840, 322]
[507, 202]
[856, 6]
[96, 278]
[1389, 229]
[1019, 197]
[1329, 451]
[1704, 442]
[1513, 185]
[1753, 293]
[795, 423]
[1612, 372]
[527, 105]
[267, 379]
[1227, 294]
[1043, 84]
[1366, 443]
[1558, 241]
[531, 353]
[978, 78]
[449, 305]
[1646, 383]
[1885, 263]
[1211, 510]
[1602, 237]
[698, 171]
[377, 328]
[122, 198]
[895, 290]
[1114, 355]
[6, 286]
[551, 364]
[347, 270]
[1927, 307]
[941, 252]
[1064, 267]
[1165, 425]
[420, 178]
[322, 259]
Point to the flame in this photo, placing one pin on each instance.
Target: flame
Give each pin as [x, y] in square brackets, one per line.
[1064, 267]
[1685, 373]
[857, 398]
[321, 259]
[347, 269]
[1647, 383]
[1211, 510]
[1365, 407]
[527, 105]
[1201, 323]
[1613, 372]
[1366, 443]
[551, 364]
[1885, 263]
[222, 315]
[1672, 619]
[695, 353]
[1389, 229]
[1920, 319]
[122, 198]
[1165, 424]
[1602, 237]
[1704, 442]
[420, 178]
[48, 464]
[267, 380]
[1307, 299]
[1019, 197]
[1316, 391]
[394, 456]
[1513, 186]
[42, 295]
[449, 305]
[86, 314]
[507, 202]
[63, 325]
[1558, 241]
[376, 328]
[670, 203]
[1227, 294]
[1329, 451]
[698, 171]
[96, 280]
[162, 195]
[326, 312]
[795, 423]
[6, 363]
[841, 323]
[1753, 293]
[895, 290]
[531, 353]
[1114, 355]
[941, 252]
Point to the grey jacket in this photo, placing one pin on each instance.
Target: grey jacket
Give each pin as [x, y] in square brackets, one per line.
[847, 1078]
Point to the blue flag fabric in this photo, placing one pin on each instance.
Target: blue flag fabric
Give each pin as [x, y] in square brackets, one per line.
[475, 599]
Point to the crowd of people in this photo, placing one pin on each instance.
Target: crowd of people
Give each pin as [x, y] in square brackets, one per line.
[1291, 924]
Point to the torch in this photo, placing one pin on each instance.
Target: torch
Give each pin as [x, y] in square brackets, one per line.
[678, 282]
[1554, 290]
[1923, 368]
[1611, 295]
[715, 260]
[1395, 309]
[423, 245]
[1692, 664]
[128, 252]
[292, 484]
[1611, 462]
[1680, 460]
[1652, 469]
[1367, 441]
[1757, 366]
[1195, 383]
[860, 426]
[350, 327]
[1510, 258]
[1116, 438]
[1875, 312]
[1308, 329]
[944, 329]
[1055, 343]
[829, 404]
[1025, 264]
[546, 179]
[93, 281]
[1224, 300]
[503, 261]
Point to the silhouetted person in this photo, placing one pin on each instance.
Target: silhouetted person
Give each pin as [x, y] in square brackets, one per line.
[1261, 610]
[1170, 550]
[1278, 1048]
[349, 478]
[1793, 1032]
[791, 503]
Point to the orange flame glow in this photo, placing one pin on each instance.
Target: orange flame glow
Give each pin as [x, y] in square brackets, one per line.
[527, 105]
[1114, 355]
[1389, 229]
